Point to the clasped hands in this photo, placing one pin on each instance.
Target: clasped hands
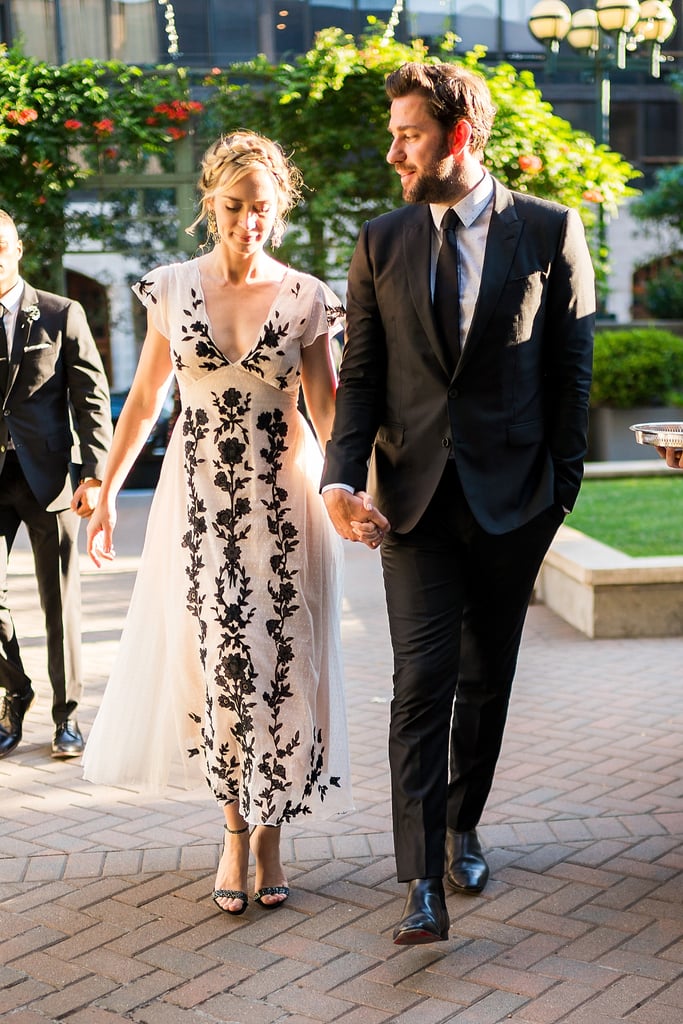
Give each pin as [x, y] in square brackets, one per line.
[355, 517]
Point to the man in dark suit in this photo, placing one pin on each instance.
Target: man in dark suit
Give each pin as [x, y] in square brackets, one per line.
[464, 382]
[55, 431]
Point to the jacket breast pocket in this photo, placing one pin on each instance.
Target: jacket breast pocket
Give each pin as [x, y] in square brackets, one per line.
[525, 295]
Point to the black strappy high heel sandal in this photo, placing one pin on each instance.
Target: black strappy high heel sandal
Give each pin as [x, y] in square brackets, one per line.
[232, 894]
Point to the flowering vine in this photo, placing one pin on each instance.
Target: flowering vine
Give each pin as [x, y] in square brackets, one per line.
[59, 125]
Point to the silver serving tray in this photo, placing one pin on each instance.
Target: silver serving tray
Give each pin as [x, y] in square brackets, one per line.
[662, 435]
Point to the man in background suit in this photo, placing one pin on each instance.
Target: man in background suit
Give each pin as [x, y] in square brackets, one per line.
[470, 399]
[51, 383]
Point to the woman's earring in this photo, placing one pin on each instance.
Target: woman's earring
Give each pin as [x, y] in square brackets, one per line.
[212, 228]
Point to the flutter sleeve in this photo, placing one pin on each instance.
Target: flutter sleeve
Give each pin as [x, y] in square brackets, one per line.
[153, 291]
[326, 315]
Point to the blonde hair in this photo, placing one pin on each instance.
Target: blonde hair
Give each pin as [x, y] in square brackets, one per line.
[233, 156]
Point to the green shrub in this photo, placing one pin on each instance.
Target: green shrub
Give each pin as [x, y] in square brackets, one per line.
[637, 366]
[664, 293]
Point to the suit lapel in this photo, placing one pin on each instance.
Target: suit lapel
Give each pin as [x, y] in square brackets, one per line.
[27, 315]
[417, 254]
[501, 245]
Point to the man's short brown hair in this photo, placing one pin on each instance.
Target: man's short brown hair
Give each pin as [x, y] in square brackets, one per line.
[453, 92]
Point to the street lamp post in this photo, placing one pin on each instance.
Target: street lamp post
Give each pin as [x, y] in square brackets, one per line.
[606, 33]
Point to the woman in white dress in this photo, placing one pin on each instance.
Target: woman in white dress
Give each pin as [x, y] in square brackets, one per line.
[230, 656]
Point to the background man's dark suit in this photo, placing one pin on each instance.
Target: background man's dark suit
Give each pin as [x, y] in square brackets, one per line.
[493, 452]
[56, 411]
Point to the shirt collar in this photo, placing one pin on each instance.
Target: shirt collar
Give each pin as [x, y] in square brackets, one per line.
[12, 299]
[470, 206]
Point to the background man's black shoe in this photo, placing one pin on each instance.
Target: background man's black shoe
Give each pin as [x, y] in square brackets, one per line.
[68, 741]
[466, 867]
[14, 707]
[425, 918]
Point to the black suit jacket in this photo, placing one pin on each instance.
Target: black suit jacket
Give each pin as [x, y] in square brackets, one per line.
[514, 413]
[56, 407]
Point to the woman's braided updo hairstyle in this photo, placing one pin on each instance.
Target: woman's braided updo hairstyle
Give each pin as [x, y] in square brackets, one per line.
[231, 157]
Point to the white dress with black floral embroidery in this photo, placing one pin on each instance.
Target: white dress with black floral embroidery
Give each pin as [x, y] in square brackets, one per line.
[230, 656]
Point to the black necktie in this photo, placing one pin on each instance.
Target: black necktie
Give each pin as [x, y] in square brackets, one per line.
[4, 353]
[447, 290]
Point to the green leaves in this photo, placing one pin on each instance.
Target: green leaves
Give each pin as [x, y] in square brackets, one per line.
[328, 108]
[60, 125]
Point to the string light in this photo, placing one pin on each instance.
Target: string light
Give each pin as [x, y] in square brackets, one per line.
[393, 21]
[171, 30]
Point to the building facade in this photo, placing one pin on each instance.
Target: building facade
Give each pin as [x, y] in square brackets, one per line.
[646, 123]
[646, 116]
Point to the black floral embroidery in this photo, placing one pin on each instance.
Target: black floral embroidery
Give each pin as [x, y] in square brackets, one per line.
[334, 314]
[233, 611]
[234, 451]
[284, 595]
[270, 339]
[194, 430]
[146, 289]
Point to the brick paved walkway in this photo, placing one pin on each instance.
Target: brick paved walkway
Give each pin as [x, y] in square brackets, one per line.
[105, 910]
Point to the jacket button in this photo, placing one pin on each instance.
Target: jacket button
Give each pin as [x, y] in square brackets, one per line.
[453, 393]
[445, 442]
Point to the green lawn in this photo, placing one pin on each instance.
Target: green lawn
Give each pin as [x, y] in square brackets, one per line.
[639, 515]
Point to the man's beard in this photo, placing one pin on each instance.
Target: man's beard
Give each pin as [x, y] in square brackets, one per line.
[438, 184]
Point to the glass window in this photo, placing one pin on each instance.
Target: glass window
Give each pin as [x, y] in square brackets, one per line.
[134, 38]
[34, 27]
[662, 129]
[234, 32]
[516, 35]
[291, 33]
[474, 22]
[192, 26]
[84, 29]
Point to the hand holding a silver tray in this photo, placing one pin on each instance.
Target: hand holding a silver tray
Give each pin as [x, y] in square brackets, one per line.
[665, 438]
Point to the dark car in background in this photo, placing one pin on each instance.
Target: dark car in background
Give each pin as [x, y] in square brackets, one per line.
[145, 472]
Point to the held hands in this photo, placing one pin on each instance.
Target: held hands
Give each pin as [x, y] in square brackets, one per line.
[355, 517]
[85, 497]
[673, 457]
[100, 542]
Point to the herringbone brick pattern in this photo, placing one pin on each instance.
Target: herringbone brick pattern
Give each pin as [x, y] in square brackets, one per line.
[105, 910]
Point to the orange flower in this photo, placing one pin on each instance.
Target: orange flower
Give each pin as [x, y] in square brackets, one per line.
[175, 133]
[72, 125]
[179, 110]
[593, 195]
[530, 163]
[22, 116]
[104, 127]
